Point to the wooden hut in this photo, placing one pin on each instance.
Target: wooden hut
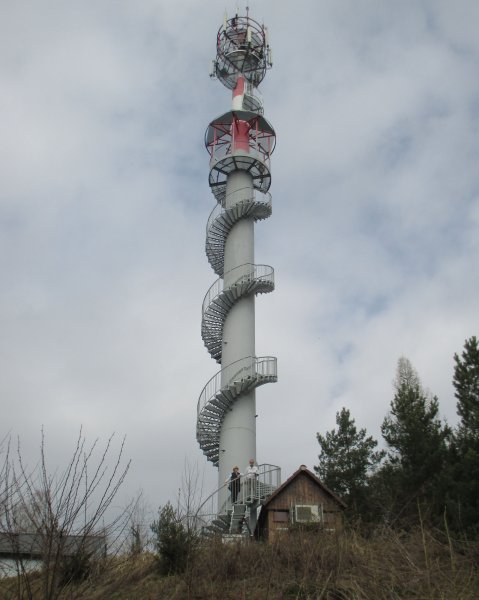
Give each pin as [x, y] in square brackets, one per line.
[302, 500]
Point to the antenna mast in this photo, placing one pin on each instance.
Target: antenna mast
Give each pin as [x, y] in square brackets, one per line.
[240, 143]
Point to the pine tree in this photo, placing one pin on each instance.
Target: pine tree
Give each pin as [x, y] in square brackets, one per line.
[416, 439]
[463, 488]
[466, 384]
[346, 458]
[173, 542]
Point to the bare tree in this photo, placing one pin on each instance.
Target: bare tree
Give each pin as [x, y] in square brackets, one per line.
[58, 518]
[138, 531]
[190, 497]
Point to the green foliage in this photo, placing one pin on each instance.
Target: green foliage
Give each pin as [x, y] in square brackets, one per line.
[415, 435]
[466, 384]
[75, 568]
[174, 543]
[347, 456]
[417, 442]
[430, 470]
[463, 486]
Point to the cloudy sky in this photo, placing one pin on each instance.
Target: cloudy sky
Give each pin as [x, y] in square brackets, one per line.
[104, 201]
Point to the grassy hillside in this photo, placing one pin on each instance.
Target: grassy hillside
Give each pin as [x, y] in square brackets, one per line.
[304, 566]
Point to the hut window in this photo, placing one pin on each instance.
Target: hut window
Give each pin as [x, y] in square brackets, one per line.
[280, 516]
[308, 513]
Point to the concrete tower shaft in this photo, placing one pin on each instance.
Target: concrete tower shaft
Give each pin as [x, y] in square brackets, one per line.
[238, 431]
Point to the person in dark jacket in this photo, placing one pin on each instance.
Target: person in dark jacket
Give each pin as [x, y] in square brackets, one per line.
[234, 485]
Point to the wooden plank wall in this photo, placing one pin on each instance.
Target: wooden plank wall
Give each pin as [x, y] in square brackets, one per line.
[302, 490]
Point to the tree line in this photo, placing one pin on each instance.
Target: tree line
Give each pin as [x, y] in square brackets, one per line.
[427, 469]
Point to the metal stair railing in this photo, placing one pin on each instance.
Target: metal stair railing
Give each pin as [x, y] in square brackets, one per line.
[244, 196]
[260, 147]
[252, 99]
[225, 161]
[246, 273]
[219, 299]
[269, 479]
[242, 203]
[248, 367]
[221, 153]
[222, 220]
[218, 397]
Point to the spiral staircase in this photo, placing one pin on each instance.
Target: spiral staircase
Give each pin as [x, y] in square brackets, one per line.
[222, 220]
[216, 399]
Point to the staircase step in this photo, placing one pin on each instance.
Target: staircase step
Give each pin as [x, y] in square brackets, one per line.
[220, 402]
[211, 415]
[227, 395]
[206, 424]
[237, 518]
[239, 510]
[211, 411]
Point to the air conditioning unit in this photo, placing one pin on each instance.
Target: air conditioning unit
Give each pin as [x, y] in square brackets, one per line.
[308, 513]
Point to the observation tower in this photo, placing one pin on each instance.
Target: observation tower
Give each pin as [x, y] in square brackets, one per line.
[240, 143]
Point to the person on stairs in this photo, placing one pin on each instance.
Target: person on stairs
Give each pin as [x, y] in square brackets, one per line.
[251, 477]
[234, 484]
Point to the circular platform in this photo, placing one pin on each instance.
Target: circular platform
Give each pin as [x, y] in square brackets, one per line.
[241, 49]
[253, 162]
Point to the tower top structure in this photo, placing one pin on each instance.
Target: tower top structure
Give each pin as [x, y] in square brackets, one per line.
[242, 49]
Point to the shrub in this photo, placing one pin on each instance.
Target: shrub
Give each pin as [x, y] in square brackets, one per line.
[75, 568]
[173, 541]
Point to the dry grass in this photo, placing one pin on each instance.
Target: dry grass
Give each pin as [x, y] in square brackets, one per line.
[419, 565]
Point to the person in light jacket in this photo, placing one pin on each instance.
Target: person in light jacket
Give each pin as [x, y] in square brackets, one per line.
[251, 477]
